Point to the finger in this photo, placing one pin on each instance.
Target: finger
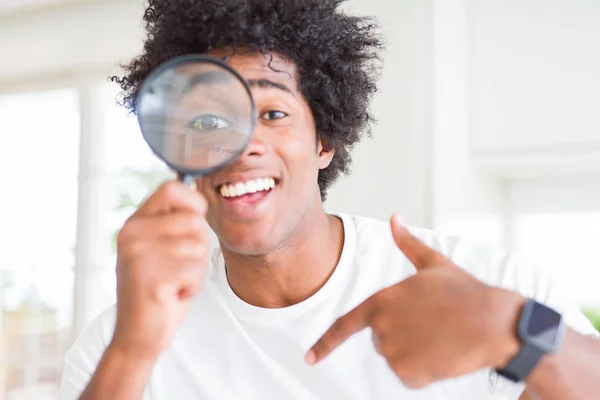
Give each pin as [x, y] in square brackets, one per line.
[173, 196]
[346, 326]
[168, 226]
[186, 284]
[415, 250]
[180, 250]
[183, 273]
[192, 283]
[161, 251]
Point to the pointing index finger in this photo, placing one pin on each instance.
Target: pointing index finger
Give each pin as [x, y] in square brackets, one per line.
[346, 326]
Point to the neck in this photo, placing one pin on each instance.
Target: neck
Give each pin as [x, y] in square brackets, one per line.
[295, 270]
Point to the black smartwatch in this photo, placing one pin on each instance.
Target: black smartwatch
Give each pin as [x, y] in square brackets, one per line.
[541, 331]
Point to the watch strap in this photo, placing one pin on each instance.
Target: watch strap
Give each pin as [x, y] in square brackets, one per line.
[522, 364]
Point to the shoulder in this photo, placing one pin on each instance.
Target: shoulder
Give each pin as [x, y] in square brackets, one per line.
[479, 258]
[489, 263]
[93, 340]
[373, 232]
[83, 357]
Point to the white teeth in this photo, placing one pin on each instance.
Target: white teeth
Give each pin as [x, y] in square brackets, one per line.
[242, 188]
[252, 187]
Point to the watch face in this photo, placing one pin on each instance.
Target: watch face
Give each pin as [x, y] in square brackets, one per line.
[544, 326]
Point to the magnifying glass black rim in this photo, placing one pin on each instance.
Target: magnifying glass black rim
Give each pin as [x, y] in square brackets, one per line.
[174, 62]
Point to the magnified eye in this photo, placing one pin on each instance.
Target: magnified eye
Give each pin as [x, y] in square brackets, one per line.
[209, 122]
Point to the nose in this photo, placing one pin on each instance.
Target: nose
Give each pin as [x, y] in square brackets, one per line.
[258, 146]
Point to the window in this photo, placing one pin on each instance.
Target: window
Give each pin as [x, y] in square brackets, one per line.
[556, 223]
[40, 211]
[134, 172]
[74, 166]
[39, 160]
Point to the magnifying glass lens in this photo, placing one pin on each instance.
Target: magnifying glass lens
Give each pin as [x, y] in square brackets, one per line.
[196, 114]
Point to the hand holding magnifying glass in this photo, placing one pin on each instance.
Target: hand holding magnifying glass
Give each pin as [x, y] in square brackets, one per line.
[197, 115]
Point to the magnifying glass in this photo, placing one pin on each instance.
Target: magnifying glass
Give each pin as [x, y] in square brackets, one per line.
[197, 114]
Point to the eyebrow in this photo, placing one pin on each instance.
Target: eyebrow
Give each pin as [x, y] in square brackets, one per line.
[205, 78]
[267, 84]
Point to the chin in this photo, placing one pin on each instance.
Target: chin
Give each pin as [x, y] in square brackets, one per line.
[253, 239]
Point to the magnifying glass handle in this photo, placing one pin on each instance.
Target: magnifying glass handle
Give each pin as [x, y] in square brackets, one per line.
[188, 180]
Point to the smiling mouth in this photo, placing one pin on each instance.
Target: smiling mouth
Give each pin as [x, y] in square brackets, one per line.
[232, 191]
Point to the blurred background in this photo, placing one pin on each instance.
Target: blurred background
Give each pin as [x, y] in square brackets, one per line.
[488, 127]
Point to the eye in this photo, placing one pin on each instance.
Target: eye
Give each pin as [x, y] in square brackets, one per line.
[209, 122]
[271, 115]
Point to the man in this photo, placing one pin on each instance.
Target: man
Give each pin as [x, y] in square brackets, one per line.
[298, 304]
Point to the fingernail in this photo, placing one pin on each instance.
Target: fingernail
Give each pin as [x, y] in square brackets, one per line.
[398, 219]
[311, 357]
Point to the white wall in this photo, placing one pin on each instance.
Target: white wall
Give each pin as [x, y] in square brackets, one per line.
[556, 227]
[516, 93]
[12, 7]
[392, 171]
[61, 42]
[535, 85]
[419, 160]
[464, 202]
[477, 92]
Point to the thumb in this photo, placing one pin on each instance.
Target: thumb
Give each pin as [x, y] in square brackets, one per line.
[416, 251]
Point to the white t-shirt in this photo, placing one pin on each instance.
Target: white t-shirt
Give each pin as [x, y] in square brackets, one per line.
[227, 349]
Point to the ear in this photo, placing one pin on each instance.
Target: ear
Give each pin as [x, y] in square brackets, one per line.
[325, 155]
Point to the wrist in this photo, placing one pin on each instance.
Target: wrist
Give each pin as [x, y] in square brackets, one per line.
[506, 308]
[124, 351]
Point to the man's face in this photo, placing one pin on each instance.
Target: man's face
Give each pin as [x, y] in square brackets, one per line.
[258, 202]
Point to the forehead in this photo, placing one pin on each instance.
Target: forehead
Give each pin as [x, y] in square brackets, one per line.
[271, 66]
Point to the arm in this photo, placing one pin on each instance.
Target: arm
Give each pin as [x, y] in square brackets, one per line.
[526, 396]
[161, 261]
[571, 373]
[119, 375]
